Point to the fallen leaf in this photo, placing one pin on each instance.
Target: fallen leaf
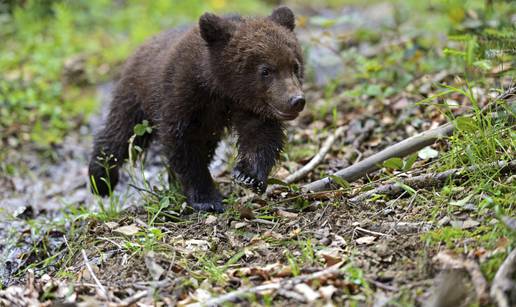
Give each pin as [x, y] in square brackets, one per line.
[330, 255]
[286, 214]
[128, 230]
[427, 153]
[112, 225]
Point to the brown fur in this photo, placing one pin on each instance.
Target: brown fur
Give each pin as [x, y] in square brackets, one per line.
[227, 72]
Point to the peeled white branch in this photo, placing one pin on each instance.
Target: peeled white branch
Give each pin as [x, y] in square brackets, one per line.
[374, 162]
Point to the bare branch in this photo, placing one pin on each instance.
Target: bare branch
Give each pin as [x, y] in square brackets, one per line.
[316, 160]
[97, 281]
[503, 282]
[478, 280]
[431, 180]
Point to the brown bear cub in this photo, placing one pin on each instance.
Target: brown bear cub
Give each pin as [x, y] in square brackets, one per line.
[243, 73]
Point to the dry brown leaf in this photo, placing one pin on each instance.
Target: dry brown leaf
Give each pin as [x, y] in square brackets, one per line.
[286, 214]
[330, 255]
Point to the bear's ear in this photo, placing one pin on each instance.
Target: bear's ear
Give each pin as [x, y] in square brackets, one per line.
[285, 17]
[215, 29]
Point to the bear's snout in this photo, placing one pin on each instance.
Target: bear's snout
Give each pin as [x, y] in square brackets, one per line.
[297, 103]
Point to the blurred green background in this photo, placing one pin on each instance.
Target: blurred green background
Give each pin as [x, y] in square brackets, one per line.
[54, 52]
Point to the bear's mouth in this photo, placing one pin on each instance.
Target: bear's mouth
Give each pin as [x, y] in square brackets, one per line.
[283, 115]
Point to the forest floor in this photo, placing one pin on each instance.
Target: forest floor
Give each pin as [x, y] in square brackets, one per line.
[371, 70]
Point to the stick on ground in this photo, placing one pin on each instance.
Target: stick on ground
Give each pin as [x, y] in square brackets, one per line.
[97, 281]
[316, 160]
[503, 281]
[478, 280]
[431, 180]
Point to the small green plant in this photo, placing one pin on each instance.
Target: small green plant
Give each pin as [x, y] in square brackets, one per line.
[292, 262]
[217, 274]
[113, 208]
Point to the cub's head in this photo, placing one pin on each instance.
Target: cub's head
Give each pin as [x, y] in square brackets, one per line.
[257, 62]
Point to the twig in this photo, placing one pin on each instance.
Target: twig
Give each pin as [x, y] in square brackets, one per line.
[143, 190]
[262, 221]
[97, 281]
[383, 286]
[135, 298]
[431, 180]
[316, 160]
[502, 281]
[286, 284]
[401, 227]
[370, 232]
[478, 280]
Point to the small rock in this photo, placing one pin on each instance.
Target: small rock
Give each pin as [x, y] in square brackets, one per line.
[240, 225]
[129, 230]
[469, 207]
[210, 220]
[444, 221]
[307, 291]
[470, 224]
[366, 240]
[327, 291]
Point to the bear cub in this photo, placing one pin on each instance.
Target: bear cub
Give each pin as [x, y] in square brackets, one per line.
[242, 73]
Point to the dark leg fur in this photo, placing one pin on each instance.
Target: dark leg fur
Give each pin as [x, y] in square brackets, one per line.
[189, 153]
[112, 143]
[259, 144]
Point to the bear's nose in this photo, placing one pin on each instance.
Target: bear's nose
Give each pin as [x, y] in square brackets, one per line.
[297, 103]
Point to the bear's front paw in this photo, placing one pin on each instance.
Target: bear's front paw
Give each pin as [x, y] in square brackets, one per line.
[215, 206]
[249, 181]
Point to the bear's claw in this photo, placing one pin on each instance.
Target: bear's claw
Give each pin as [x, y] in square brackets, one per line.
[248, 181]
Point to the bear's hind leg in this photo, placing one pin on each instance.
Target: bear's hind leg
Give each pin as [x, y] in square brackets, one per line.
[111, 144]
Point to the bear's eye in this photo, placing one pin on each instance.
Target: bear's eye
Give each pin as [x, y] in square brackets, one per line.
[265, 72]
[296, 68]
